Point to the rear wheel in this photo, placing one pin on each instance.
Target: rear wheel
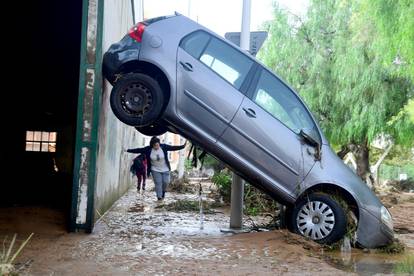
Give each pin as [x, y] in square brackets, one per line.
[137, 99]
[320, 218]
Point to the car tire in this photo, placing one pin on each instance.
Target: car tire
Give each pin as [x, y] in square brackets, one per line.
[288, 219]
[320, 218]
[137, 99]
[155, 129]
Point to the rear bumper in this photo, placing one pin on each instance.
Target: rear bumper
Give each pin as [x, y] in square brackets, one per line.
[372, 232]
[118, 55]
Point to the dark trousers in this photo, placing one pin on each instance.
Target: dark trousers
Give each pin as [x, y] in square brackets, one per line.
[141, 180]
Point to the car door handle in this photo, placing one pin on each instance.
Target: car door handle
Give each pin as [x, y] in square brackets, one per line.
[250, 112]
[187, 66]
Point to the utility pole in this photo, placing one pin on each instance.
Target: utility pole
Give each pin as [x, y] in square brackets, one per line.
[237, 185]
[181, 160]
[189, 9]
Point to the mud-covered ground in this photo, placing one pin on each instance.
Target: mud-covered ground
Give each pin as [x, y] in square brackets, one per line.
[140, 236]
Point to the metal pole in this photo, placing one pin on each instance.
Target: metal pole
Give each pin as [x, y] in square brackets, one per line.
[237, 185]
[189, 9]
[245, 27]
[237, 193]
[181, 160]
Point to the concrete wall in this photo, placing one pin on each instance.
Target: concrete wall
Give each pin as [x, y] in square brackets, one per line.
[112, 166]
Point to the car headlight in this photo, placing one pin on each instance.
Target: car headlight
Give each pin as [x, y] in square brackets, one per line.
[386, 217]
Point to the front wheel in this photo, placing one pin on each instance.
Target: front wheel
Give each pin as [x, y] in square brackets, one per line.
[137, 99]
[320, 218]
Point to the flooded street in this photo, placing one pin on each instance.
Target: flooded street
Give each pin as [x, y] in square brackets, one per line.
[140, 236]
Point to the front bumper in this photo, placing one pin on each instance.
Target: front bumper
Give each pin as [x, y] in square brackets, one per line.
[371, 231]
[118, 54]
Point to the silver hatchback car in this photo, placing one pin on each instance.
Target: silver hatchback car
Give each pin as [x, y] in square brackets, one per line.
[170, 73]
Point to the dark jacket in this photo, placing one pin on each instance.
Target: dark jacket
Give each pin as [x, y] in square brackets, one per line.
[147, 151]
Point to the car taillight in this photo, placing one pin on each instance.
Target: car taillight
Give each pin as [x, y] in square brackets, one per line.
[137, 31]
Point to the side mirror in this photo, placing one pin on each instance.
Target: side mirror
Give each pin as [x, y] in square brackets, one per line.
[307, 136]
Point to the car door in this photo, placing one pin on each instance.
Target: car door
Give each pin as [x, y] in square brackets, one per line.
[265, 133]
[210, 76]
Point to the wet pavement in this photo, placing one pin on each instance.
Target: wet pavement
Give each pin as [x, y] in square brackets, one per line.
[139, 236]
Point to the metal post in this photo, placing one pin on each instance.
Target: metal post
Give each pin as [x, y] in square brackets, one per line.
[245, 27]
[237, 185]
[189, 9]
[237, 194]
[181, 160]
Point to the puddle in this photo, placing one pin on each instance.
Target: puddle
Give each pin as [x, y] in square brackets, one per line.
[363, 263]
[139, 207]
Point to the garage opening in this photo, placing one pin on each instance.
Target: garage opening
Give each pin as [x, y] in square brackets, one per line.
[39, 119]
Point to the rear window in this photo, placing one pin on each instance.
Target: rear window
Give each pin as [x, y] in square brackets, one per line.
[195, 43]
[231, 64]
[225, 60]
[155, 19]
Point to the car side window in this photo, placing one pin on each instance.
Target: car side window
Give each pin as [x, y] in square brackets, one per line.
[277, 99]
[195, 43]
[228, 62]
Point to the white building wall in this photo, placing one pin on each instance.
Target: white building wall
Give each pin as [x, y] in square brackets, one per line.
[112, 167]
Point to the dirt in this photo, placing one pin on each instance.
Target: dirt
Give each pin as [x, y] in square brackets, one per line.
[401, 206]
[139, 236]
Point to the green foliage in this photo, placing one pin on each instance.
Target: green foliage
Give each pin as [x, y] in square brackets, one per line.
[223, 181]
[188, 166]
[410, 110]
[334, 59]
[395, 247]
[398, 156]
[406, 266]
[255, 201]
[393, 172]
[399, 160]
[211, 162]
[393, 36]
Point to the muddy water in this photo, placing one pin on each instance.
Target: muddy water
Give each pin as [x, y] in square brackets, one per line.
[374, 262]
[140, 237]
[364, 263]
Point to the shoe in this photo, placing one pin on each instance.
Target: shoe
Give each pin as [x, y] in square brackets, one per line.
[163, 194]
[159, 198]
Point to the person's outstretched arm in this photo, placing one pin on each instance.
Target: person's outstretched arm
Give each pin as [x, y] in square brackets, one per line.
[136, 150]
[174, 148]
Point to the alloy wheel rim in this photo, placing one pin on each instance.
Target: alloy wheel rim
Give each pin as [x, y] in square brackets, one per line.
[315, 220]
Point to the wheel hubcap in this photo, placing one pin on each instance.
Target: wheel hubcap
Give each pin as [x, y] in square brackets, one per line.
[136, 99]
[315, 220]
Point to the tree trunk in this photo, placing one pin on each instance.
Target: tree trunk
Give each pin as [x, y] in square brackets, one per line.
[343, 152]
[375, 168]
[361, 153]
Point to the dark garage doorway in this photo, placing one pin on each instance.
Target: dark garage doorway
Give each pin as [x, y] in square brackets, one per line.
[39, 115]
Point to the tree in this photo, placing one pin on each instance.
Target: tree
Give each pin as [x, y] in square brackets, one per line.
[329, 58]
[393, 32]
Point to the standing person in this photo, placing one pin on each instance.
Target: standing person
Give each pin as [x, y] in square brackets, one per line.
[158, 165]
[139, 168]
